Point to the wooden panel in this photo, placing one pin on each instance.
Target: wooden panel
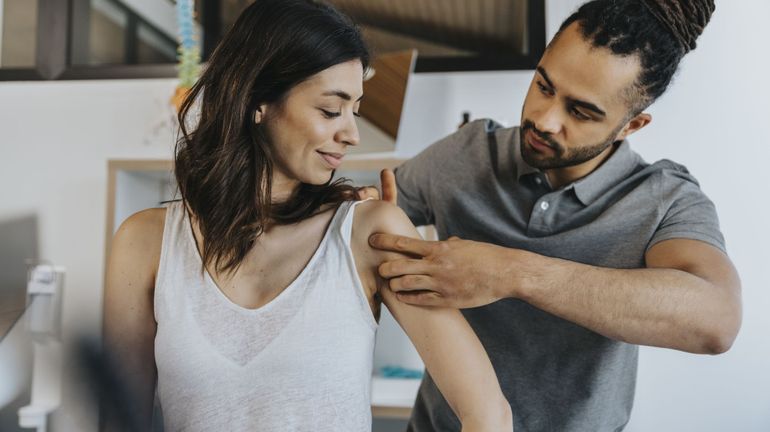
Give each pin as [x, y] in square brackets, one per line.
[12, 306]
[384, 93]
[481, 26]
[391, 412]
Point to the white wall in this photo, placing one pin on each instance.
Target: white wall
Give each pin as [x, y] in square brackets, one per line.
[713, 119]
[55, 139]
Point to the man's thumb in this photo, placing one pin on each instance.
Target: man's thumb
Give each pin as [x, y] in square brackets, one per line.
[389, 191]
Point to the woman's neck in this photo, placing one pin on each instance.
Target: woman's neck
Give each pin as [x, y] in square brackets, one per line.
[282, 188]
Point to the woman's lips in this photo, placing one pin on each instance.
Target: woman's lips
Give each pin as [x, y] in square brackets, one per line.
[334, 160]
[538, 144]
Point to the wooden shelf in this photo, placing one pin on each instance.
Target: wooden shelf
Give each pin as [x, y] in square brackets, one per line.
[393, 397]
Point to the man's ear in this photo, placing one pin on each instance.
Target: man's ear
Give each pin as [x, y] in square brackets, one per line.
[635, 124]
[260, 114]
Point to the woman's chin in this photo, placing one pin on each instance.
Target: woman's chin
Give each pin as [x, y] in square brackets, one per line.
[318, 179]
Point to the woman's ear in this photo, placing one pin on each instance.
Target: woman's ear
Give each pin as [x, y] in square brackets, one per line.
[260, 114]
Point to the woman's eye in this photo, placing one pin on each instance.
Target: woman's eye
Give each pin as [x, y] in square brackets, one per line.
[329, 114]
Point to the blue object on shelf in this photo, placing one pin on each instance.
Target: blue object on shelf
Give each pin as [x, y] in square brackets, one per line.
[400, 372]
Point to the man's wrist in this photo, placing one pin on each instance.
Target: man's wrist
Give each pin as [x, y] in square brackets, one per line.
[522, 272]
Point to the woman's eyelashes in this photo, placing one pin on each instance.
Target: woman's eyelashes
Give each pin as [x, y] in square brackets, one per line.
[332, 114]
[329, 114]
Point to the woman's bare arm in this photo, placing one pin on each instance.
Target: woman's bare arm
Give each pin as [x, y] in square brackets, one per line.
[129, 323]
[452, 353]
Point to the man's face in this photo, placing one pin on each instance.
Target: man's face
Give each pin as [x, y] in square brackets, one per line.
[577, 104]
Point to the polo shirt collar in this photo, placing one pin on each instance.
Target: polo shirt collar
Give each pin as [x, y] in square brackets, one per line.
[609, 174]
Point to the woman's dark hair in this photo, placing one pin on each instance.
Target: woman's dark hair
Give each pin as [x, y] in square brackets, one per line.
[660, 32]
[224, 166]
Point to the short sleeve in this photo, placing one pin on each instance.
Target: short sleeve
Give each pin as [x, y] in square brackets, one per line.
[689, 213]
[423, 180]
[413, 185]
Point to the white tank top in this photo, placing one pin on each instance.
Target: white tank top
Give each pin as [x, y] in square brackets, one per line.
[302, 362]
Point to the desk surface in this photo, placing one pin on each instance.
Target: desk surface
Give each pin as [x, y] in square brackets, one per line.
[12, 305]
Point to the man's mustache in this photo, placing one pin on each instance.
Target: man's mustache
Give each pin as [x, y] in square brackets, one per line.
[529, 125]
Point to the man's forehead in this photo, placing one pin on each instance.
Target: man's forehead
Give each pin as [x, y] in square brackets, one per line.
[587, 72]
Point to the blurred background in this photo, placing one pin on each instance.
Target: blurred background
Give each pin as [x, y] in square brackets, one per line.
[87, 132]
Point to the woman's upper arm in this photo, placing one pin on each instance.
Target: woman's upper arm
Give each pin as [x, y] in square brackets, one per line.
[450, 349]
[128, 321]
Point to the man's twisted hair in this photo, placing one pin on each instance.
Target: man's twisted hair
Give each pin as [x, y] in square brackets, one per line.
[660, 32]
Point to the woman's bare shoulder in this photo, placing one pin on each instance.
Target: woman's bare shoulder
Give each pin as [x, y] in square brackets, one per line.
[145, 226]
[381, 216]
[371, 217]
[137, 243]
[378, 217]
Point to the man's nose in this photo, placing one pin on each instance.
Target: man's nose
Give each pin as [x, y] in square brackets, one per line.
[549, 120]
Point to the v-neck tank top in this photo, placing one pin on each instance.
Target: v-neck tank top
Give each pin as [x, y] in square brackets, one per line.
[302, 362]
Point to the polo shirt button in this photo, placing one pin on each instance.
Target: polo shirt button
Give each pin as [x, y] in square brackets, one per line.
[544, 205]
[538, 180]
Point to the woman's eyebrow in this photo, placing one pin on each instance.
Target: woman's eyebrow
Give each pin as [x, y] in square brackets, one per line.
[342, 94]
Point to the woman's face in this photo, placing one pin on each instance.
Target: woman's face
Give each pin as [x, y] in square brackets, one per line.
[311, 130]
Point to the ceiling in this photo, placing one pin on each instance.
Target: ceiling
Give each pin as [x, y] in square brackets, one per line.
[436, 28]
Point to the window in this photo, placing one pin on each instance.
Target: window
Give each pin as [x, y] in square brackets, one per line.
[91, 39]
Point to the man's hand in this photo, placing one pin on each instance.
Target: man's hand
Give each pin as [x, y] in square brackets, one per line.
[388, 181]
[454, 273]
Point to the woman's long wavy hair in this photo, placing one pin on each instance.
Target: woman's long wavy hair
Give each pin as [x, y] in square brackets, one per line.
[224, 166]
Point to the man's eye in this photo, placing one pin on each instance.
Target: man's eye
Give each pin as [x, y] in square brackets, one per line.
[579, 115]
[329, 114]
[543, 89]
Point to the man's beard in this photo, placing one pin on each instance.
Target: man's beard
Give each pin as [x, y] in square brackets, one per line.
[558, 160]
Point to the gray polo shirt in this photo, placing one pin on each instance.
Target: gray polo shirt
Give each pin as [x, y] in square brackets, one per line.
[558, 376]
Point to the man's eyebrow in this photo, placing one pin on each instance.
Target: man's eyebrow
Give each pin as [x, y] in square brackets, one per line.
[342, 94]
[545, 77]
[583, 104]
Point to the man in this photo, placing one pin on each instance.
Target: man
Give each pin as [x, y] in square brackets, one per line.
[574, 250]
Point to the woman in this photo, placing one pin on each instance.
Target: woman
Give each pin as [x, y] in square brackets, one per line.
[252, 301]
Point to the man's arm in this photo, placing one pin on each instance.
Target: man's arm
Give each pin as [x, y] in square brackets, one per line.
[688, 297]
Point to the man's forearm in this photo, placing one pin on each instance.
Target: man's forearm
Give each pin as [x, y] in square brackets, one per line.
[688, 297]
[652, 306]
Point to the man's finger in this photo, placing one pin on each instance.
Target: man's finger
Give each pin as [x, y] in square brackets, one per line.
[402, 267]
[396, 243]
[388, 181]
[363, 193]
[412, 283]
[424, 298]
